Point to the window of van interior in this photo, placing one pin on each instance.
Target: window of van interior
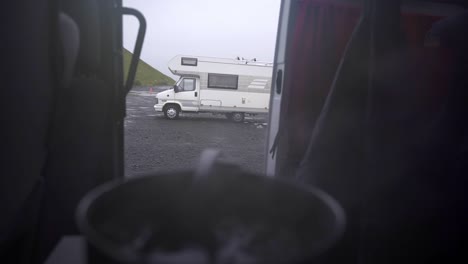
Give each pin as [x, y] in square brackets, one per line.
[222, 52]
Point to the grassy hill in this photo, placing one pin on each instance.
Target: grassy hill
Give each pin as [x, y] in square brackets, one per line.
[145, 75]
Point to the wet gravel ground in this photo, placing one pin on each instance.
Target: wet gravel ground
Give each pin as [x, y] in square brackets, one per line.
[153, 143]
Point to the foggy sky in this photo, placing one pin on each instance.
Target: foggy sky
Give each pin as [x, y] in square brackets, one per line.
[217, 28]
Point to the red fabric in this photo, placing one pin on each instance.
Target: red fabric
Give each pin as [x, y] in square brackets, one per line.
[431, 68]
[415, 27]
[321, 31]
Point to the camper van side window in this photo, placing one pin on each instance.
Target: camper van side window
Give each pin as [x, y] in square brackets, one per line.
[223, 81]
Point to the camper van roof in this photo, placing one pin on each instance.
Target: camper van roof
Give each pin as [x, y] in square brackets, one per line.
[183, 65]
[240, 60]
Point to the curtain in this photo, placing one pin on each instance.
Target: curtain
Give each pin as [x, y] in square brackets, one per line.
[382, 174]
[319, 36]
[320, 32]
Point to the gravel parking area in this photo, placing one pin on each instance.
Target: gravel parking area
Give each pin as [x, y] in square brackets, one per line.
[153, 143]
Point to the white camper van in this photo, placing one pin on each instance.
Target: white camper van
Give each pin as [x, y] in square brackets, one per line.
[233, 87]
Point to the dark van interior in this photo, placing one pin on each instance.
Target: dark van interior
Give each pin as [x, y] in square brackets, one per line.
[373, 113]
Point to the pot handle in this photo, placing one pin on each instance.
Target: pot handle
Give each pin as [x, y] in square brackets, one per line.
[207, 162]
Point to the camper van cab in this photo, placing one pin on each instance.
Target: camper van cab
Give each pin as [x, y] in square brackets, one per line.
[233, 87]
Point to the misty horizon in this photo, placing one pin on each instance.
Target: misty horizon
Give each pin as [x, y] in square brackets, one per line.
[212, 28]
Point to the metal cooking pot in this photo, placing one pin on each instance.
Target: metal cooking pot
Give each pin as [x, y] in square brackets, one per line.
[225, 215]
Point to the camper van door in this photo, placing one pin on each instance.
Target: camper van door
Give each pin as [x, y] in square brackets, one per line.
[188, 93]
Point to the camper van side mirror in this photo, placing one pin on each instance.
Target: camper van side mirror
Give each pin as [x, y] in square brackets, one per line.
[176, 88]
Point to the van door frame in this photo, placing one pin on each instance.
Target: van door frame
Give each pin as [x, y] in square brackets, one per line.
[184, 97]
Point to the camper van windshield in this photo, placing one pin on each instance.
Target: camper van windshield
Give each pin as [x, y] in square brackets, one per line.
[178, 82]
[177, 86]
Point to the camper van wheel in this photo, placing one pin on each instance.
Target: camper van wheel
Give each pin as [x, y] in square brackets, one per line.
[171, 112]
[237, 117]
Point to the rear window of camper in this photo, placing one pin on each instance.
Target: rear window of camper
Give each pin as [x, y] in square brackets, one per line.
[223, 81]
